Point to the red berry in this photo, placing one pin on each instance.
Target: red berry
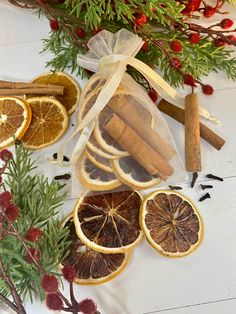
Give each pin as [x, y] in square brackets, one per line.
[87, 306]
[69, 273]
[226, 23]
[12, 212]
[176, 63]
[153, 95]
[219, 42]
[80, 32]
[54, 302]
[140, 19]
[192, 5]
[232, 38]
[209, 11]
[33, 234]
[97, 30]
[35, 253]
[5, 199]
[189, 80]
[207, 89]
[54, 24]
[5, 155]
[49, 283]
[145, 47]
[176, 45]
[194, 38]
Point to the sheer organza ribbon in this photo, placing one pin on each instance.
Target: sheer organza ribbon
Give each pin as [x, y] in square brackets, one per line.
[117, 51]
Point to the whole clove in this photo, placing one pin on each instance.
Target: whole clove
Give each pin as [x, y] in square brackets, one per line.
[65, 176]
[212, 176]
[204, 197]
[64, 157]
[194, 178]
[175, 187]
[206, 186]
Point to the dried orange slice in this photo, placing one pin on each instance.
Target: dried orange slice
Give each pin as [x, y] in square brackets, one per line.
[99, 161]
[91, 267]
[171, 223]
[49, 122]
[95, 178]
[130, 172]
[71, 92]
[15, 117]
[109, 223]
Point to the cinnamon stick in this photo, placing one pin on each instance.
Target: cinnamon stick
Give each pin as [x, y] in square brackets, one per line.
[192, 134]
[178, 114]
[129, 114]
[19, 88]
[138, 148]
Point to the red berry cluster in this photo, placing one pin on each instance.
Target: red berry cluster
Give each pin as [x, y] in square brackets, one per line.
[140, 19]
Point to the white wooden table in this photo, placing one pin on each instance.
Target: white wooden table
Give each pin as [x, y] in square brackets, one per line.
[203, 283]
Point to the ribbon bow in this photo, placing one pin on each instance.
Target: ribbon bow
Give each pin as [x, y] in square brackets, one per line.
[117, 51]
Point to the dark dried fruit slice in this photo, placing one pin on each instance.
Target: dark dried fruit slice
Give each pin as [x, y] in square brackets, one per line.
[109, 223]
[95, 178]
[91, 267]
[171, 223]
[130, 172]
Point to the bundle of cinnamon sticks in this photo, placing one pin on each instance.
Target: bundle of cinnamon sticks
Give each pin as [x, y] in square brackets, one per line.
[136, 136]
[8, 88]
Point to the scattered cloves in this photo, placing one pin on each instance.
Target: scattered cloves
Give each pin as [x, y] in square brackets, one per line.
[65, 176]
[206, 186]
[194, 178]
[175, 187]
[204, 197]
[64, 157]
[212, 176]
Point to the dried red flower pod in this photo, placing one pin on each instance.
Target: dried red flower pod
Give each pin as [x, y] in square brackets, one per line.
[87, 306]
[5, 199]
[12, 212]
[226, 23]
[207, 89]
[49, 283]
[54, 24]
[54, 302]
[69, 273]
[5, 155]
[33, 234]
[176, 45]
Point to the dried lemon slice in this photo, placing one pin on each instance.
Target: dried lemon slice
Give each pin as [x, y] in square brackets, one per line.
[94, 146]
[171, 223]
[91, 267]
[99, 161]
[71, 92]
[95, 178]
[130, 172]
[49, 122]
[15, 117]
[109, 223]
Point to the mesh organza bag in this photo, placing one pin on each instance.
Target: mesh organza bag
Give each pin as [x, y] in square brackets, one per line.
[123, 142]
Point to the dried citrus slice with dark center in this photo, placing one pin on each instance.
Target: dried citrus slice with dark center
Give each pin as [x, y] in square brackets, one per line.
[109, 223]
[91, 267]
[96, 148]
[130, 172]
[98, 160]
[95, 178]
[171, 223]
[15, 117]
[49, 122]
[71, 92]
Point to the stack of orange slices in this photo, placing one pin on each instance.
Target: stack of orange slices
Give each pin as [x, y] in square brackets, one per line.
[38, 121]
[105, 228]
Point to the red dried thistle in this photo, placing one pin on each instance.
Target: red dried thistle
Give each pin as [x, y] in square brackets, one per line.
[12, 212]
[5, 155]
[207, 89]
[33, 234]
[176, 45]
[87, 306]
[49, 283]
[226, 23]
[69, 273]
[54, 302]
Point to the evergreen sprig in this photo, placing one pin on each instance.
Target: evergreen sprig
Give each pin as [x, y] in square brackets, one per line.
[39, 201]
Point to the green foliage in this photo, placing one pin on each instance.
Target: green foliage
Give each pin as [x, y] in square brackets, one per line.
[39, 201]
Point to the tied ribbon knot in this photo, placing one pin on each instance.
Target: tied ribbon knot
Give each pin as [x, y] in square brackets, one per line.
[115, 52]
